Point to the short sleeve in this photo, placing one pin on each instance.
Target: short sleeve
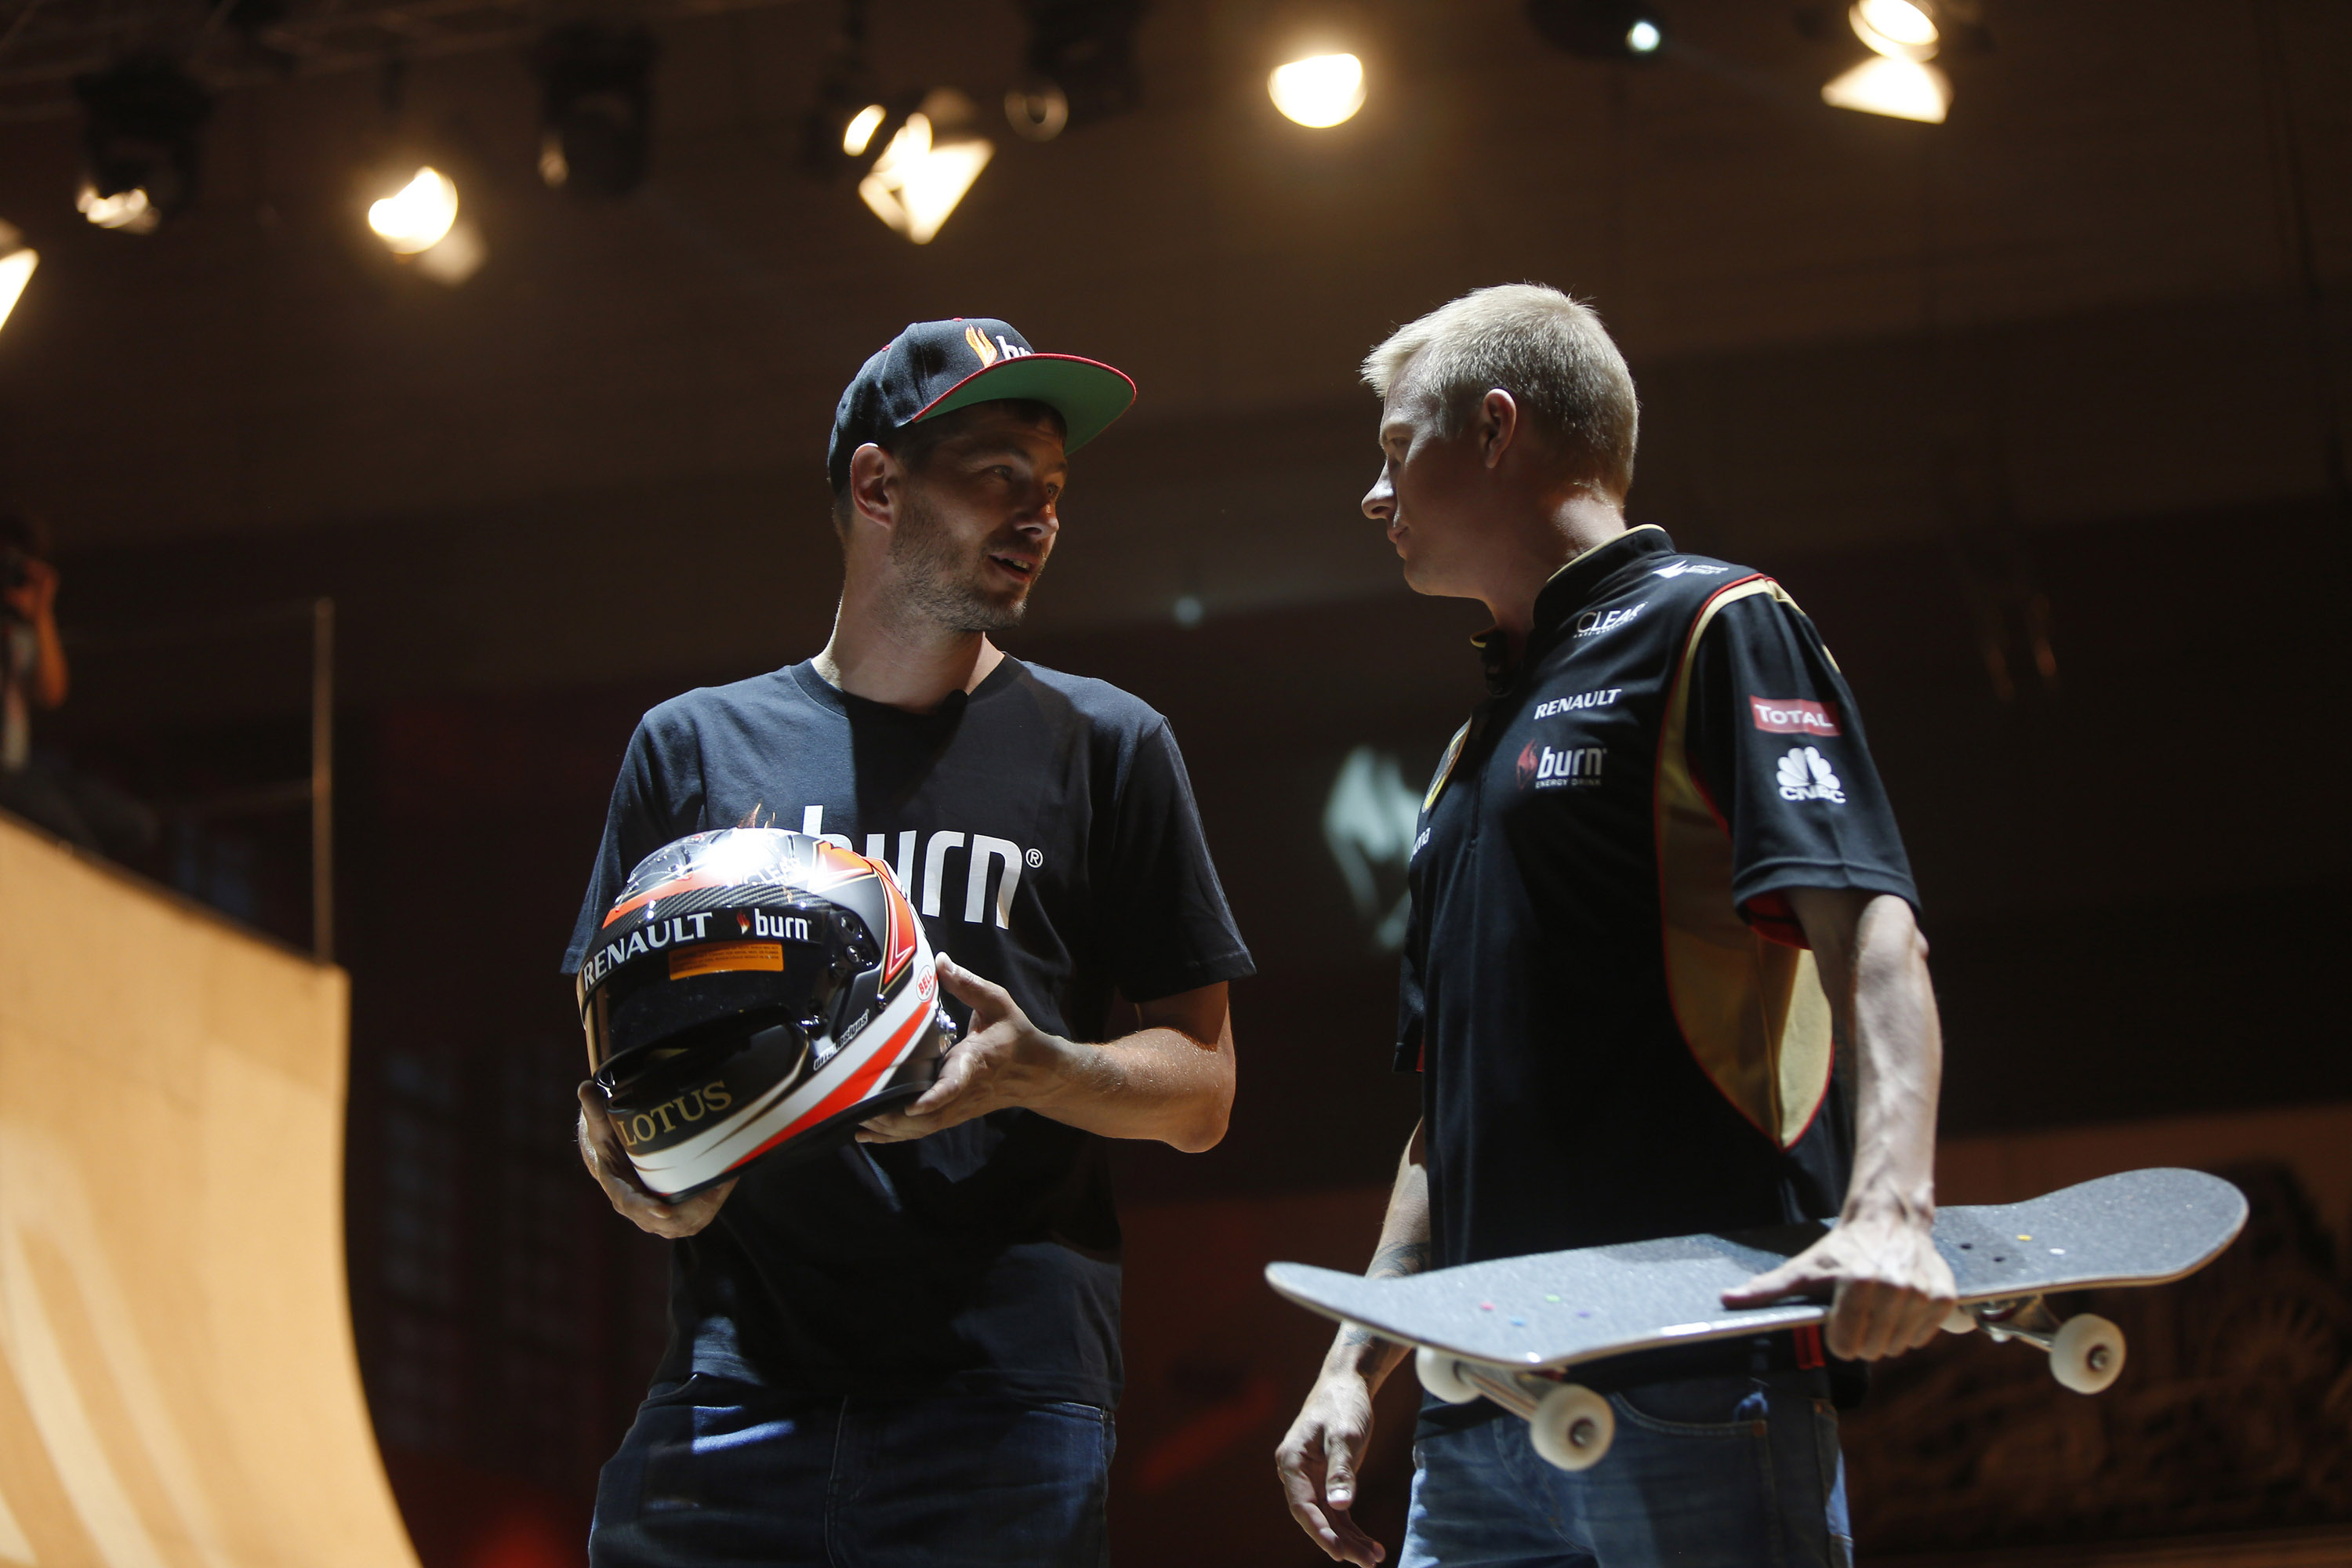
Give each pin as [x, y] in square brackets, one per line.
[1777, 743]
[657, 800]
[1171, 931]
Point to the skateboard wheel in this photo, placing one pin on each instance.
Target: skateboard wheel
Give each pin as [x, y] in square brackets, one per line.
[2087, 1353]
[1959, 1320]
[1572, 1427]
[1435, 1369]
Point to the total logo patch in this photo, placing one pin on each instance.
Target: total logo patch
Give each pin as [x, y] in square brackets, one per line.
[1546, 767]
[1692, 567]
[1804, 774]
[1582, 701]
[1793, 716]
[1593, 623]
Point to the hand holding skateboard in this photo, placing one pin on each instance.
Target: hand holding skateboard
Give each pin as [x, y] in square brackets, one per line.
[1890, 1289]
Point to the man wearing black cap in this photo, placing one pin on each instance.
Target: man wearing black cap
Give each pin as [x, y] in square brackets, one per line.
[907, 1352]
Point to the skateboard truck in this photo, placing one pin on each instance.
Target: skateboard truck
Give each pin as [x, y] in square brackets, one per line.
[1569, 1425]
[2086, 1353]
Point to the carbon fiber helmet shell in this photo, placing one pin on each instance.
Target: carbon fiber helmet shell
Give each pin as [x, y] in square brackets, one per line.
[755, 994]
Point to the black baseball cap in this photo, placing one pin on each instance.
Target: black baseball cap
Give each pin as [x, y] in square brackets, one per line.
[935, 367]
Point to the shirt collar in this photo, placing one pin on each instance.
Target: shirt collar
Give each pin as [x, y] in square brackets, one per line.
[1569, 589]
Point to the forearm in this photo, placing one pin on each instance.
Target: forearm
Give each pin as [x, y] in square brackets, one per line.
[1158, 1083]
[1403, 1249]
[1898, 1053]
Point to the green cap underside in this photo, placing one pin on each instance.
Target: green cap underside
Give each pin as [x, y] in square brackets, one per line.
[1088, 396]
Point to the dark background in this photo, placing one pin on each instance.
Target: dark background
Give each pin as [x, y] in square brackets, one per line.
[2037, 412]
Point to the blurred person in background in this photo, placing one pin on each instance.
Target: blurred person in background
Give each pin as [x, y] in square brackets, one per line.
[904, 1351]
[38, 785]
[1654, 878]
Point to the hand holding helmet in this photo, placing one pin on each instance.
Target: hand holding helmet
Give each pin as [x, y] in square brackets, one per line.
[752, 993]
[1003, 1061]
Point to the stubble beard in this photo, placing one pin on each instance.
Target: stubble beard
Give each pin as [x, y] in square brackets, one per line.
[936, 578]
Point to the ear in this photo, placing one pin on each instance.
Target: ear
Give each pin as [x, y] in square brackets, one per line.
[874, 480]
[1498, 426]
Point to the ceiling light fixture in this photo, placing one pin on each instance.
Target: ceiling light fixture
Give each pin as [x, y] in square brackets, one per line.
[418, 216]
[858, 134]
[1899, 30]
[1079, 66]
[1320, 91]
[596, 110]
[927, 167]
[1598, 29]
[140, 143]
[17, 260]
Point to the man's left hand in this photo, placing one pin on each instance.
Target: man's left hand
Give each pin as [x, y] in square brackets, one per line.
[1893, 1288]
[1002, 1061]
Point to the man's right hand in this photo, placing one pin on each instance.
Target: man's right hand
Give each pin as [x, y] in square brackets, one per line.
[601, 1152]
[1318, 1462]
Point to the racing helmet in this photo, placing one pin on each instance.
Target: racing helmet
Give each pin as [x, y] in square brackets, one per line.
[752, 993]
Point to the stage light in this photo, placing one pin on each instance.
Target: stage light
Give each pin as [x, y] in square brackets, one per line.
[596, 112]
[17, 260]
[1320, 91]
[925, 170]
[1189, 611]
[1901, 89]
[1037, 112]
[858, 134]
[1079, 66]
[142, 143]
[1899, 29]
[1598, 29]
[419, 215]
[128, 211]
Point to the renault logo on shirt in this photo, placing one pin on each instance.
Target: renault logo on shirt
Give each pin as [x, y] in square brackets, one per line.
[1582, 700]
[1547, 768]
[1593, 623]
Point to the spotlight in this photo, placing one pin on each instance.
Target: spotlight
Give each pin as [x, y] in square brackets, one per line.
[1038, 111]
[596, 117]
[1081, 52]
[1899, 29]
[1320, 91]
[1889, 85]
[858, 134]
[1598, 29]
[418, 216]
[926, 168]
[17, 260]
[142, 143]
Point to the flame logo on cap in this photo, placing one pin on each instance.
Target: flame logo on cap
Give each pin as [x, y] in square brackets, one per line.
[981, 346]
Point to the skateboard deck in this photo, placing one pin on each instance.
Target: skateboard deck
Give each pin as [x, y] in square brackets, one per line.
[1552, 1311]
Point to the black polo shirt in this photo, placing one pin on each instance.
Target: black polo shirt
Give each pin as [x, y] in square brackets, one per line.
[1619, 1027]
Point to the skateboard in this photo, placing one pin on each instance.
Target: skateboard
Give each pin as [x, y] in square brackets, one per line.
[1511, 1327]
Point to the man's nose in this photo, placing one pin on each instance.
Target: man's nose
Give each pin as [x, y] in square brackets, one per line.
[1380, 501]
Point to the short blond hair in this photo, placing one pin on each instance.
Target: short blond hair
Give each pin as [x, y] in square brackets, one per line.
[1548, 351]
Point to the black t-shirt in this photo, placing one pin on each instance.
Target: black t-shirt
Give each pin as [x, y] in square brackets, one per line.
[1618, 1029]
[1045, 829]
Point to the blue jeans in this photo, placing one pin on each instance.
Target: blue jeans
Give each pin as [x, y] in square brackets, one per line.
[1709, 1472]
[715, 1472]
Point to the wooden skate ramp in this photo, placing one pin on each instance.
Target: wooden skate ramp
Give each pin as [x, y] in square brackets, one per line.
[177, 1382]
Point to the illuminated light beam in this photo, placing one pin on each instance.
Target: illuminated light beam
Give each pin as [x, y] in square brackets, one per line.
[1900, 88]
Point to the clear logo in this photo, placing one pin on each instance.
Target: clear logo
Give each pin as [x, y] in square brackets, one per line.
[1804, 774]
